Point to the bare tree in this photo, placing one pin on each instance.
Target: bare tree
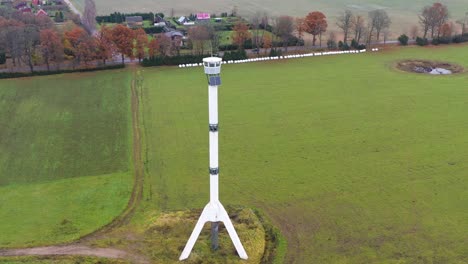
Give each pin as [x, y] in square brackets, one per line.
[358, 27]
[89, 16]
[378, 21]
[284, 29]
[414, 32]
[255, 23]
[199, 36]
[464, 23]
[30, 43]
[345, 22]
[432, 18]
[214, 37]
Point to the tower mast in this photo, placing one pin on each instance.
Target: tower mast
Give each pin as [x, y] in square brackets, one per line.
[214, 211]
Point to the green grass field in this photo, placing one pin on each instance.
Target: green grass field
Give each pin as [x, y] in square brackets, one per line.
[355, 161]
[65, 156]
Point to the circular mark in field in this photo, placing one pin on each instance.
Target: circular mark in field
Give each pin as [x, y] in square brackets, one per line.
[429, 67]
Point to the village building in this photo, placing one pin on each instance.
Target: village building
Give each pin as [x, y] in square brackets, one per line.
[41, 12]
[134, 21]
[203, 16]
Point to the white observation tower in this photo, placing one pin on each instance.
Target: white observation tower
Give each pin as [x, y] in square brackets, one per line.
[214, 211]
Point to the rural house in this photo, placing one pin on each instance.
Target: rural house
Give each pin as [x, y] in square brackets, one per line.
[41, 12]
[134, 21]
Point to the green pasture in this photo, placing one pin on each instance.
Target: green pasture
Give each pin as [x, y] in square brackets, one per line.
[65, 155]
[355, 161]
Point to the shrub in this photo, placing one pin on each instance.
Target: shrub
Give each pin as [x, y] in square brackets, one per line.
[175, 60]
[441, 40]
[235, 55]
[5, 75]
[460, 38]
[153, 30]
[275, 52]
[421, 41]
[354, 44]
[403, 39]
[361, 47]
[331, 44]
[2, 58]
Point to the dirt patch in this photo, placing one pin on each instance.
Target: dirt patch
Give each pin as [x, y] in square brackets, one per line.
[429, 67]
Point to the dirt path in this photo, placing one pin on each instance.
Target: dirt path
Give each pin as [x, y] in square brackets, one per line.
[78, 247]
[66, 250]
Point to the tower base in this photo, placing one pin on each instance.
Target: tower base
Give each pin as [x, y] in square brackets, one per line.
[214, 212]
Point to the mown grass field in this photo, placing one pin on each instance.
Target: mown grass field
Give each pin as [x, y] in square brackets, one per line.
[65, 156]
[355, 161]
[403, 13]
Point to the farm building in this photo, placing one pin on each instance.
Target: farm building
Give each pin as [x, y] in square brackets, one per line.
[134, 21]
[182, 20]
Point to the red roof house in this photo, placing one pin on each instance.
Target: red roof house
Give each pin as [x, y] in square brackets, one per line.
[35, 2]
[41, 12]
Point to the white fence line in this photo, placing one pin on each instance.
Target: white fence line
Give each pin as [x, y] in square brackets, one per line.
[283, 57]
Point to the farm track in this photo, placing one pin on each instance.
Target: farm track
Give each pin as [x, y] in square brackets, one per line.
[78, 247]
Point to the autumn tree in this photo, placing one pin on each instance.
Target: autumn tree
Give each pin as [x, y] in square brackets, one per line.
[300, 27]
[240, 34]
[141, 43]
[122, 37]
[379, 21]
[89, 16]
[199, 36]
[432, 18]
[86, 50]
[316, 24]
[446, 30]
[345, 22]
[153, 48]
[165, 44]
[51, 46]
[80, 45]
[266, 42]
[105, 48]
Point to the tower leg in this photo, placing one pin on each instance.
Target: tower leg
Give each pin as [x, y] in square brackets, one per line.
[195, 233]
[215, 213]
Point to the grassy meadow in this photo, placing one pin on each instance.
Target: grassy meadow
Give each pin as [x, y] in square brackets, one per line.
[355, 161]
[65, 155]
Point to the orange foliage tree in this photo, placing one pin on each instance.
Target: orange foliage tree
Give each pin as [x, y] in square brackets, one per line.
[76, 43]
[241, 34]
[122, 37]
[153, 48]
[267, 43]
[141, 43]
[316, 24]
[51, 46]
[105, 48]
